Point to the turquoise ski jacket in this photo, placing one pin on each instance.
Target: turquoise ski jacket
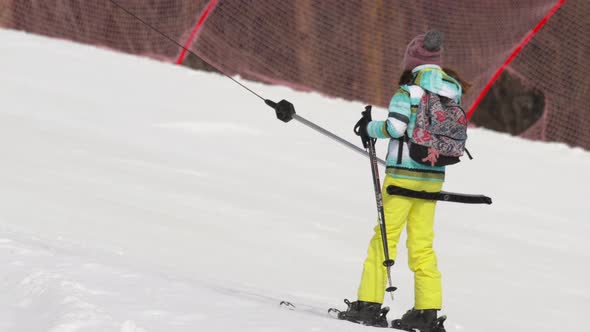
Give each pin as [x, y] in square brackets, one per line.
[402, 119]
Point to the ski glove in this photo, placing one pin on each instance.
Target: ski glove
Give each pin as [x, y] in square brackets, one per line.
[361, 127]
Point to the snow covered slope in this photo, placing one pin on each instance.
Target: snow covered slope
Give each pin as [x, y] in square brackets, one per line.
[141, 196]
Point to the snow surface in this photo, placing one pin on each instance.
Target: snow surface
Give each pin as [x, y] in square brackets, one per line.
[138, 196]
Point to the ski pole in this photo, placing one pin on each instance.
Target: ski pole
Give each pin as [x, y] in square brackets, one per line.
[444, 196]
[286, 112]
[370, 143]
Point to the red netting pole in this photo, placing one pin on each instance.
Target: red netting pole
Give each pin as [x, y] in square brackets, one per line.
[210, 7]
[513, 55]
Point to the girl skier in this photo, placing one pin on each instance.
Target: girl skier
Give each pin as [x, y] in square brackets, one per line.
[422, 70]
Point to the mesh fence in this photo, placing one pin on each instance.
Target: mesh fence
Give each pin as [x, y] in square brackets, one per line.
[100, 22]
[555, 63]
[348, 49]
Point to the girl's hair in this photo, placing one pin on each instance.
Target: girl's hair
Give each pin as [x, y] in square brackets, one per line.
[407, 77]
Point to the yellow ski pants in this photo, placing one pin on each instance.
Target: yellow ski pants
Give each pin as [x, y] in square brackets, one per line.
[419, 216]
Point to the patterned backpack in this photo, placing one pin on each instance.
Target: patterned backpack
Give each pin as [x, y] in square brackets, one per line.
[441, 123]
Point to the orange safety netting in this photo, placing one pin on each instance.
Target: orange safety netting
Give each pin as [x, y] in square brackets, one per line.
[349, 49]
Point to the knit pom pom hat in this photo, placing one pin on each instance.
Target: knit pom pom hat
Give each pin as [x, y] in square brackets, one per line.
[424, 49]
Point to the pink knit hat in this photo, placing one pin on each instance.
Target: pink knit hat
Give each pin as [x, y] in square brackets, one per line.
[424, 49]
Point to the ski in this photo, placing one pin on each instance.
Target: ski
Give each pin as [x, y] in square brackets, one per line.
[438, 326]
[440, 196]
[331, 312]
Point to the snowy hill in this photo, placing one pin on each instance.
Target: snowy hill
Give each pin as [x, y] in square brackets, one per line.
[140, 196]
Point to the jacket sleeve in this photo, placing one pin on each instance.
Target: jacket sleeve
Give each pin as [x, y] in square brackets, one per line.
[397, 122]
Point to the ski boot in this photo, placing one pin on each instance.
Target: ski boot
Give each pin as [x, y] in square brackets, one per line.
[365, 313]
[420, 320]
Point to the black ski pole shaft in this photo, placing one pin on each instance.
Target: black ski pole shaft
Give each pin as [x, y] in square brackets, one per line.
[380, 212]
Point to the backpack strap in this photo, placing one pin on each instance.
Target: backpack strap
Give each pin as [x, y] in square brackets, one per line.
[400, 149]
[401, 141]
[406, 138]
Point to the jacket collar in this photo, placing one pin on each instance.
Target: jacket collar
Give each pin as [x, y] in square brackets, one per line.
[432, 78]
[427, 66]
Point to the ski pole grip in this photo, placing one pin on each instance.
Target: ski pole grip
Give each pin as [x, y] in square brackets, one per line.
[367, 113]
[360, 129]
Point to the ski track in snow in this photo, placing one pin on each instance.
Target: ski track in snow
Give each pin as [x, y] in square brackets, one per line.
[68, 293]
[65, 291]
